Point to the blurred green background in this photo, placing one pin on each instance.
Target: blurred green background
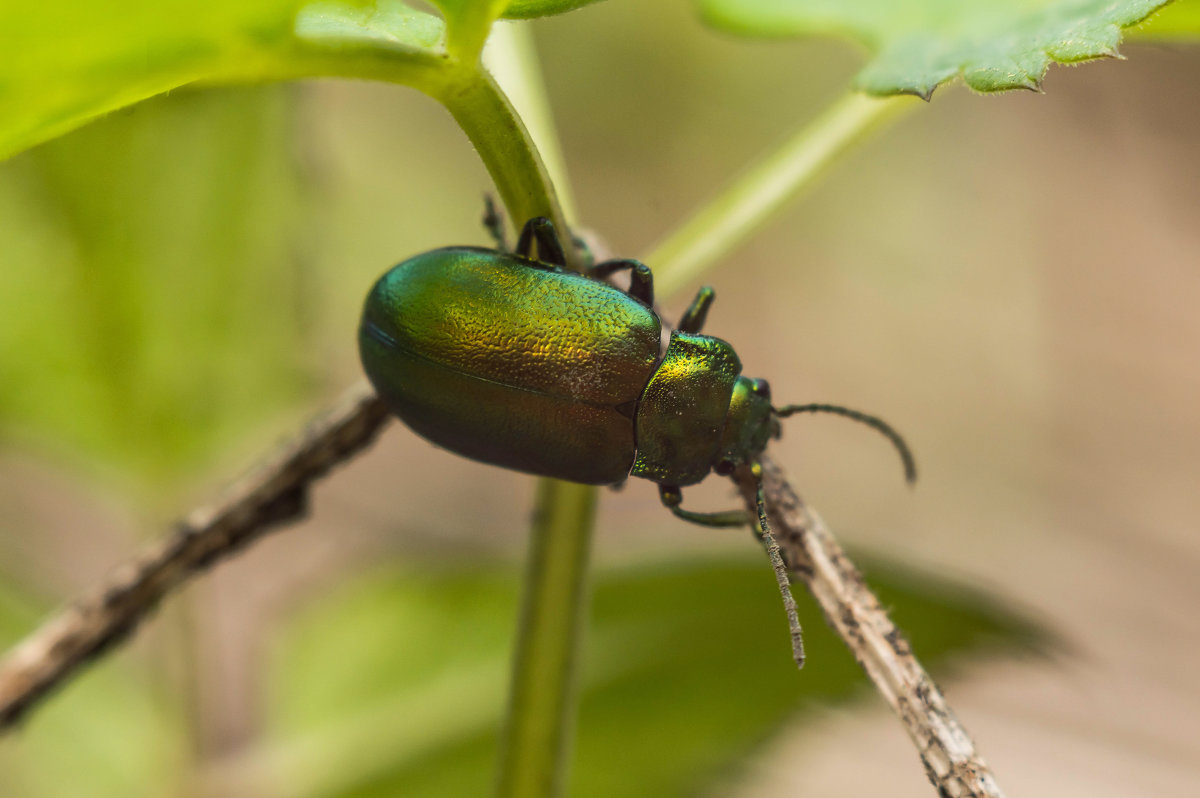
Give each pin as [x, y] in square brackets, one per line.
[1010, 280]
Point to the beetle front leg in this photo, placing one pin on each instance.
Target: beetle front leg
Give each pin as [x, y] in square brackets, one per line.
[541, 230]
[697, 312]
[672, 497]
[641, 279]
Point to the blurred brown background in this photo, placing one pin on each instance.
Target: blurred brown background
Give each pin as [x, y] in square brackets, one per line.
[1012, 281]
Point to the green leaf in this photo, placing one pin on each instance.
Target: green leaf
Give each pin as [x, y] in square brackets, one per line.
[395, 685]
[462, 12]
[150, 300]
[78, 59]
[88, 59]
[1180, 21]
[919, 44]
[529, 9]
[388, 24]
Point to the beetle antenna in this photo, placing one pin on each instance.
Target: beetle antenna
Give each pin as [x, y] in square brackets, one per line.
[878, 424]
[781, 574]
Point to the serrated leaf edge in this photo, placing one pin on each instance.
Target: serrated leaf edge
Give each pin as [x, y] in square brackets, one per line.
[1023, 78]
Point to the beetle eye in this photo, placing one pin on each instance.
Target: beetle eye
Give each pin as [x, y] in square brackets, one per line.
[724, 468]
[762, 388]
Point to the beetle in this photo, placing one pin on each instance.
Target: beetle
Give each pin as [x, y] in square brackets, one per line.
[514, 360]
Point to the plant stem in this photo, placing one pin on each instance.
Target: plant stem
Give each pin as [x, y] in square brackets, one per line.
[505, 147]
[746, 204]
[513, 61]
[539, 721]
[537, 734]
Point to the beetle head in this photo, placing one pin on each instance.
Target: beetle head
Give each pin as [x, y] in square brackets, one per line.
[750, 424]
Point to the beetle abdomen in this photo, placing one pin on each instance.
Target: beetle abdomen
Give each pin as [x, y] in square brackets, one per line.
[511, 363]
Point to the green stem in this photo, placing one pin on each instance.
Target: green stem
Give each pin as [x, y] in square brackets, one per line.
[540, 719]
[746, 204]
[512, 59]
[504, 146]
[539, 722]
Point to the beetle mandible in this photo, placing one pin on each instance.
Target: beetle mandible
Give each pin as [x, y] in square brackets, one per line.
[516, 361]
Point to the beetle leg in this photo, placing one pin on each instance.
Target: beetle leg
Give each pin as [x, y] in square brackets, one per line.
[697, 312]
[493, 222]
[641, 279]
[672, 497]
[541, 230]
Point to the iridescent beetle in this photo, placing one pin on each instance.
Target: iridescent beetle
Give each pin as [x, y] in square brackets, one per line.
[516, 361]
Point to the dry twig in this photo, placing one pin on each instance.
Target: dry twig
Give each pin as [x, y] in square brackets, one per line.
[273, 494]
[811, 553]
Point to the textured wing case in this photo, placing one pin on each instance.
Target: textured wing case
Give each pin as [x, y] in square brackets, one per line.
[510, 363]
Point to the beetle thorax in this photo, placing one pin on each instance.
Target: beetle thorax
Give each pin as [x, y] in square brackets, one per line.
[684, 408]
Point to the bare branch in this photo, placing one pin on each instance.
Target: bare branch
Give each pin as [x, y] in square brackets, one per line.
[275, 493]
[272, 495]
[946, 750]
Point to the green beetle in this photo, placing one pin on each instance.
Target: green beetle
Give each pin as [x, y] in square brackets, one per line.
[519, 362]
